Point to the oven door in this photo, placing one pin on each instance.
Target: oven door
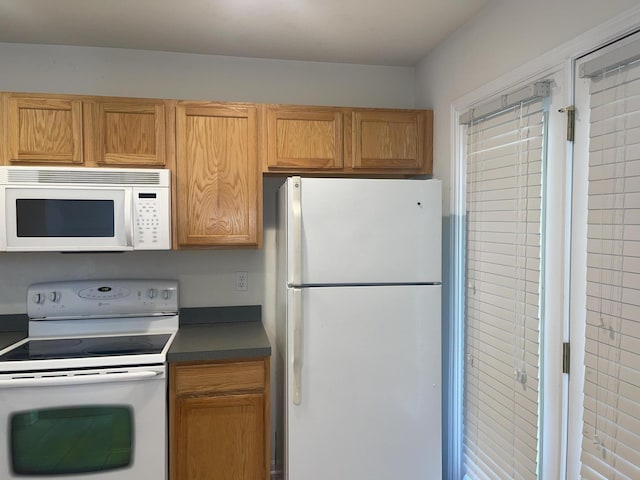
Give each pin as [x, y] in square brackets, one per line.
[103, 424]
[72, 218]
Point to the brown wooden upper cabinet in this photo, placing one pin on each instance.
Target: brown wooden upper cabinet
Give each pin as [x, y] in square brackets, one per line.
[346, 141]
[126, 132]
[219, 190]
[387, 140]
[41, 129]
[301, 138]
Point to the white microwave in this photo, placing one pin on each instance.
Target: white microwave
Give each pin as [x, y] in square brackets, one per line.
[79, 209]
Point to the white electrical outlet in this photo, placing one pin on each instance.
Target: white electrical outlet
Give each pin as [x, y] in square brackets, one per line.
[242, 281]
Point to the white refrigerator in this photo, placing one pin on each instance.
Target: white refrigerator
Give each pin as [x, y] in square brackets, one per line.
[359, 272]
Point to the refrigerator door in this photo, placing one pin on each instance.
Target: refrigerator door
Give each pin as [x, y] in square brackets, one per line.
[363, 383]
[362, 231]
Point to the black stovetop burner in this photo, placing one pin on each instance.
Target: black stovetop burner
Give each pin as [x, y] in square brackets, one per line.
[85, 347]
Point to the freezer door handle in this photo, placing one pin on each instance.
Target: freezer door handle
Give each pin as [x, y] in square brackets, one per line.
[297, 347]
[296, 230]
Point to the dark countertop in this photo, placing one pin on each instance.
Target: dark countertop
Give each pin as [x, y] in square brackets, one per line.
[219, 333]
[9, 338]
[208, 333]
[219, 341]
[13, 327]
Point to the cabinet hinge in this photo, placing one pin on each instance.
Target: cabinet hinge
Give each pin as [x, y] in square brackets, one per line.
[571, 121]
[566, 357]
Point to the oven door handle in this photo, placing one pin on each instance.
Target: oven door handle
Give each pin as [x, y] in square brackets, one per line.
[82, 379]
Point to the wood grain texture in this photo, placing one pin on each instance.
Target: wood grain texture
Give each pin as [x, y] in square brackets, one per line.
[170, 163]
[221, 437]
[126, 132]
[218, 430]
[43, 129]
[220, 377]
[4, 147]
[374, 142]
[219, 182]
[388, 140]
[303, 137]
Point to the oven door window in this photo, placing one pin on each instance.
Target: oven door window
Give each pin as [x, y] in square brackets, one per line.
[71, 440]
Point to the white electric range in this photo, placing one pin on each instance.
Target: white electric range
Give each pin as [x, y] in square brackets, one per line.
[84, 396]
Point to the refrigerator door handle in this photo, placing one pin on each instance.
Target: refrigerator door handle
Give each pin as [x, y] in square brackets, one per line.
[297, 347]
[296, 231]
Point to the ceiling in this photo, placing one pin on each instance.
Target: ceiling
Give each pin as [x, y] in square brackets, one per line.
[376, 32]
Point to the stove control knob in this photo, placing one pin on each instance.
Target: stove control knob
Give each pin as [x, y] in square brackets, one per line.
[166, 294]
[38, 298]
[152, 293]
[54, 296]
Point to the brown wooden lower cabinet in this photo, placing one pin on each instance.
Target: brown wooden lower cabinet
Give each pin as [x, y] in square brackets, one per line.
[219, 420]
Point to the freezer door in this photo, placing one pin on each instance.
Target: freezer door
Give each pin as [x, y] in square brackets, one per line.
[363, 231]
[365, 403]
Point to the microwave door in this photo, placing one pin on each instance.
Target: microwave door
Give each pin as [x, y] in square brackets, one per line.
[68, 219]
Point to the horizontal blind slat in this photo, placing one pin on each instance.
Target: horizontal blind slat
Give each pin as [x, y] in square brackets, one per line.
[504, 187]
[611, 423]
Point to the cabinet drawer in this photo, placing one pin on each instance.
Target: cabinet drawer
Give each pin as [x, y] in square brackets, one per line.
[219, 378]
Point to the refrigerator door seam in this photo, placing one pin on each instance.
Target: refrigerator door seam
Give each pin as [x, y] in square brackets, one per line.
[395, 284]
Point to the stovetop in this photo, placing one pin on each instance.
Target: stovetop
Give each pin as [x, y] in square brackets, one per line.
[94, 324]
[66, 353]
[86, 347]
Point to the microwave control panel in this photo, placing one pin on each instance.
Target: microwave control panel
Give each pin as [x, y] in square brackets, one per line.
[152, 214]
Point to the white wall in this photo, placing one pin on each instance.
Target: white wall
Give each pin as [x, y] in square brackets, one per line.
[206, 278]
[110, 71]
[503, 36]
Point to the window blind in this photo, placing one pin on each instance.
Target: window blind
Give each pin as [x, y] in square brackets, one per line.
[504, 171]
[611, 416]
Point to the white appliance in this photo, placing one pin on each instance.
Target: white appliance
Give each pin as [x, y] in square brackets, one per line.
[84, 209]
[84, 396]
[359, 328]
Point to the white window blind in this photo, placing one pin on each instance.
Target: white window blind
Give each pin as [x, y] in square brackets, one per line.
[504, 171]
[611, 416]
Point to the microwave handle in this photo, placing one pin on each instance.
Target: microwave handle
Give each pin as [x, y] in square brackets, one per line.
[128, 212]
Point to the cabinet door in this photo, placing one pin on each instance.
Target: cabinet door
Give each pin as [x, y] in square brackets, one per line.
[123, 132]
[219, 182]
[43, 129]
[220, 437]
[392, 140]
[300, 138]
